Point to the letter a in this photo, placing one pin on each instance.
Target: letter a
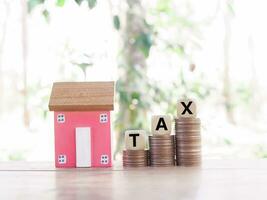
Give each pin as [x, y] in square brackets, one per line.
[161, 124]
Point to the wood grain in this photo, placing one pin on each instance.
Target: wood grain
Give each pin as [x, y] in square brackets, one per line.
[215, 180]
[82, 96]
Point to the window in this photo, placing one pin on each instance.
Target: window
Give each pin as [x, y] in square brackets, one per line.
[62, 159]
[104, 159]
[103, 118]
[60, 118]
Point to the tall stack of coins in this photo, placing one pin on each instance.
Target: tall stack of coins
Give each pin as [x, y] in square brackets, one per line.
[135, 158]
[188, 141]
[187, 133]
[161, 150]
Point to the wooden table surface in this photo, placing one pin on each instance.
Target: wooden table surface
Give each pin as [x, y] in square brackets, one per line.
[215, 180]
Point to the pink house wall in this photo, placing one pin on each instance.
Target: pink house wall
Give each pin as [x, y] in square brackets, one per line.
[65, 136]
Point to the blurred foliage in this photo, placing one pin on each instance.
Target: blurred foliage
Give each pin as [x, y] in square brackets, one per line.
[142, 29]
[39, 98]
[116, 22]
[261, 151]
[227, 142]
[46, 15]
[60, 3]
[91, 3]
[87, 62]
[143, 43]
[16, 156]
[133, 85]
[33, 3]
[136, 93]
[165, 28]
[244, 93]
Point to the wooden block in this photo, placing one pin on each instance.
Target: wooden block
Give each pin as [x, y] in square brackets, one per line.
[186, 108]
[161, 124]
[82, 96]
[83, 146]
[135, 140]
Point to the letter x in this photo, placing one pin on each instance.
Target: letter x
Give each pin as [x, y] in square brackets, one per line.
[186, 107]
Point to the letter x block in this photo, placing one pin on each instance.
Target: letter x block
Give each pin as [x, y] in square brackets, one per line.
[186, 108]
[161, 124]
[135, 140]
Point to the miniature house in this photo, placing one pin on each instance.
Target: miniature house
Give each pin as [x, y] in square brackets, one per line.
[82, 123]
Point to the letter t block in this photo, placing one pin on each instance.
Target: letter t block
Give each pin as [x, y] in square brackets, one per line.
[135, 140]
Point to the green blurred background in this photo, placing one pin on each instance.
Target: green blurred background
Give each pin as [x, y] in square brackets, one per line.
[157, 52]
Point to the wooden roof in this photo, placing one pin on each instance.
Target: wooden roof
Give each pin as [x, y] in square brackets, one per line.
[82, 96]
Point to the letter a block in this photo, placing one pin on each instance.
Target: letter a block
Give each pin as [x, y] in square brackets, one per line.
[161, 124]
[186, 108]
[135, 140]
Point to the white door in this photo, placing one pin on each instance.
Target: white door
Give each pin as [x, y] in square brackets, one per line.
[83, 146]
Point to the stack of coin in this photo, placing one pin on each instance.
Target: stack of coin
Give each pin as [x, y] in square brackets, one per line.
[161, 150]
[135, 158]
[188, 141]
[174, 149]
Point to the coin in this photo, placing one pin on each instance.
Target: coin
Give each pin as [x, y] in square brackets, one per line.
[135, 158]
[188, 141]
[162, 150]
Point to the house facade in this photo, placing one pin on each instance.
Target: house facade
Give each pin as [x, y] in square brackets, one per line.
[82, 123]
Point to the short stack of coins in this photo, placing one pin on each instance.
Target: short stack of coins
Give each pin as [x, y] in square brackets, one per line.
[135, 154]
[135, 158]
[188, 138]
[161, 150]
[161, 143]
